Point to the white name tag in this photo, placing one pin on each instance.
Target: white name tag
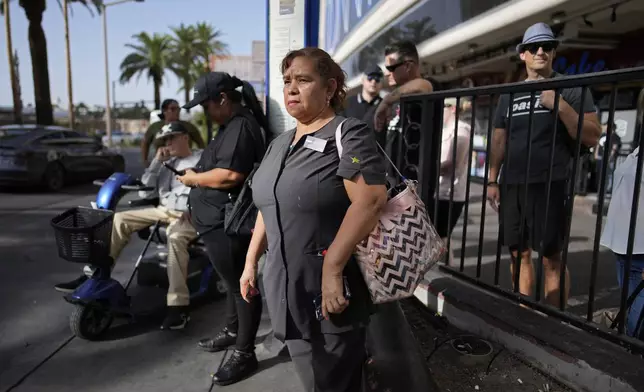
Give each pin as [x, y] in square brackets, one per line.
[315, 144]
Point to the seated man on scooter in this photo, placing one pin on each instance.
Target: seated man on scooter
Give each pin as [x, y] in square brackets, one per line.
[171, 210]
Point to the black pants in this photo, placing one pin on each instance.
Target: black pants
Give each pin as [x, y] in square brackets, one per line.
[227, 255]
[443, 222]
[330, 362]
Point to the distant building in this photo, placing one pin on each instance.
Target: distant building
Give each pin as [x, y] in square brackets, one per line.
[251, 68]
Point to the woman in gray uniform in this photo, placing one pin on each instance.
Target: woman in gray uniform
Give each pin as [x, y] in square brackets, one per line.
[314, 208]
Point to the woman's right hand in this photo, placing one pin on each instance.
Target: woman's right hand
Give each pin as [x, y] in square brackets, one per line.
[248, 282]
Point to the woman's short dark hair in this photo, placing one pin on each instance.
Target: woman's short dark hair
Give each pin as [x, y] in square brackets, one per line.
[165, 105]
[326, 67]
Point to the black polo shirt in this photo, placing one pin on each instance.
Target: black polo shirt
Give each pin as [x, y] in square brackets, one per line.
[237, 146]
[357, 107]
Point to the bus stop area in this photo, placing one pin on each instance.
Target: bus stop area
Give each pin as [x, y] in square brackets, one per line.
[37, 352]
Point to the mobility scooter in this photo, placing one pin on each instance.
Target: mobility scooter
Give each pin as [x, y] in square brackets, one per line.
[83, 235]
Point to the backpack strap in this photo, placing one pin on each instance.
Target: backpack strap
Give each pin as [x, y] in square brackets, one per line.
[338, 138]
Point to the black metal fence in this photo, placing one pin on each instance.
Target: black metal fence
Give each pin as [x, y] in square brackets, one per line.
[417, 151]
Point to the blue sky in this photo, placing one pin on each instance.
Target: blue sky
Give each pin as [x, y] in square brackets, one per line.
[124, 20]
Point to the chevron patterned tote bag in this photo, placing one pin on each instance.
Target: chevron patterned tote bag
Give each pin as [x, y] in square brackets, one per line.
[402, 246]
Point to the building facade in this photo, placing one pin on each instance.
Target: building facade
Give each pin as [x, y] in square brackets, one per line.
[251, 68]
[465, 43]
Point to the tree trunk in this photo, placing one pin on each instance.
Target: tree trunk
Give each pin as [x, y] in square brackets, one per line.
[34, 10]
[157, 94]
[186, 89]
[17, 109]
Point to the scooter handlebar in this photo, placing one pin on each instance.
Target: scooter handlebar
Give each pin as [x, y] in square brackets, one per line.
[137, 187]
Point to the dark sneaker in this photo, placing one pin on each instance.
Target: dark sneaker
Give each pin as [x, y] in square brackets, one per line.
[220, 342]
[70, 287]
[239, 366]
[177, 318]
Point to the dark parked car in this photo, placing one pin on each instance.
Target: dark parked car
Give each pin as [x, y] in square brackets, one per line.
[52, 156]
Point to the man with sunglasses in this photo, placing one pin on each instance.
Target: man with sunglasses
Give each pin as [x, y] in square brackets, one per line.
[403, 72]
[361, 105]
[541, 232]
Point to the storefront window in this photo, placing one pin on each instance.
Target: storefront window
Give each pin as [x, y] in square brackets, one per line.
[418, 25]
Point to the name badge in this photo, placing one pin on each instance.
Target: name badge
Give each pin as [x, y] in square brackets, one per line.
[315, 144]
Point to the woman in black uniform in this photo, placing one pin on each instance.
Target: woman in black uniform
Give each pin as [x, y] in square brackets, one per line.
[226, 162]
[314, 208]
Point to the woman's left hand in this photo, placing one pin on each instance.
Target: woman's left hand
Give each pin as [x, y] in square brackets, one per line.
[333, 300]
[188, 179]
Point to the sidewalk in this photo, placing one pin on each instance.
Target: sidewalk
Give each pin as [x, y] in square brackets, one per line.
[580, 253]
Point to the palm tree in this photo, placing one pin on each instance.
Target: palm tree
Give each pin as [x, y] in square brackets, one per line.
[191, 50]
[34, 10]
[210, 42]
[17, 112]
[151, 55]
[184, 57]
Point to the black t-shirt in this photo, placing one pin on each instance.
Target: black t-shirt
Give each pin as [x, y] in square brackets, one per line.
[358, 107]
[516, 157]
[238, 145]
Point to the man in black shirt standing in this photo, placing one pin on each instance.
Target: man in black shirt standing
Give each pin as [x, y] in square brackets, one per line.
[537, 51]
[358, 105]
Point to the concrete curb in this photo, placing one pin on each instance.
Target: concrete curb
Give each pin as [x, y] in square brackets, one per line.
[555, 355]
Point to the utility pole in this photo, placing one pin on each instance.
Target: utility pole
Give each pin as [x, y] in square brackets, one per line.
[70, 93]
[17, 111]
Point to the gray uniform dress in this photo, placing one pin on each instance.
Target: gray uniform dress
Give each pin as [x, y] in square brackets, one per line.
[301, 196]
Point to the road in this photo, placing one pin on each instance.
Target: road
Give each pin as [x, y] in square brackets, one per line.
[34, 318]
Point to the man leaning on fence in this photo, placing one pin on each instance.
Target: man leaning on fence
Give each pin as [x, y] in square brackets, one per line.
[523, 211]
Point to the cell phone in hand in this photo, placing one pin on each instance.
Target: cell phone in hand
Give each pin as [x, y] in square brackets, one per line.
[172, 169]
[317, 301]
[252, 291]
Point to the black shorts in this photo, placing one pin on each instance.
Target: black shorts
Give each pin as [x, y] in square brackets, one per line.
[536, 226]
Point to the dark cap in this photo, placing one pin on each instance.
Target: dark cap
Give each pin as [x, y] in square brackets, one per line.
[174, 128]
[374, 71]
[208, 86]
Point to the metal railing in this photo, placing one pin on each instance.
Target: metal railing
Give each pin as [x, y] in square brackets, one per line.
[416, 149]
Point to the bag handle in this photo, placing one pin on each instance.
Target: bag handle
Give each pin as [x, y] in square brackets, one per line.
[338, 144]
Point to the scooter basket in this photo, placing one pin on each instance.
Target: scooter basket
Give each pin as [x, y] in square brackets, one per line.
[83, 235]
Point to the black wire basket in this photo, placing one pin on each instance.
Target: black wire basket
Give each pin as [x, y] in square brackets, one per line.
[83, 235]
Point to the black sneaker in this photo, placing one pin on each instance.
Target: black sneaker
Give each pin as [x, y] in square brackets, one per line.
[220, 342]
[177, 318]
[239, 366]
[70, 287]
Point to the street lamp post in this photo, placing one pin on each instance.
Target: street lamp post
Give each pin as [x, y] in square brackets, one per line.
[108, 109]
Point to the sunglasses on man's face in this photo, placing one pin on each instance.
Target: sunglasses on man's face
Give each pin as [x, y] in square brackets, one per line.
[373, 78]
[546, 46]
[394, 67]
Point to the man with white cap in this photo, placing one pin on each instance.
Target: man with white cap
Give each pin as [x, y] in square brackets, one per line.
[172, 210]
[512, 120]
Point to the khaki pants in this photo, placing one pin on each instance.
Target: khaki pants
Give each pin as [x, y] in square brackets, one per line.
[179, 232]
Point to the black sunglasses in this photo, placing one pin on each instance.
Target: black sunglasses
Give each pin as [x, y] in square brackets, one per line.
[546, 46]
[375, 78]
[393, 67]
